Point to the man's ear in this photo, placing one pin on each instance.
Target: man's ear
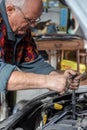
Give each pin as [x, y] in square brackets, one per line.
[10, 9]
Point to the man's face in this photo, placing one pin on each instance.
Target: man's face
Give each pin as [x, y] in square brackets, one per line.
[20, 20]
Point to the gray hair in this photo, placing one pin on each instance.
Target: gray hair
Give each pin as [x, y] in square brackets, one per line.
[18, 3]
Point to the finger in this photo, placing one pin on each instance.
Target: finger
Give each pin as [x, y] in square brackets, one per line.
[74, 85]
[75, 82]
[70, 81]
[73, 73]
[73, 88]
[81, 76]
[61, 93]
[77, 77]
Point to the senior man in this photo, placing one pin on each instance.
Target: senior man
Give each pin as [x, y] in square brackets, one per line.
[21, 66]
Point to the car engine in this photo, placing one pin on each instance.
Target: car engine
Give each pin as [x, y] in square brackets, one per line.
[65, 119]
[51, 111]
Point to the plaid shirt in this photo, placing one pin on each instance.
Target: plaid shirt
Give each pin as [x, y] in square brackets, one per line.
[24, 51]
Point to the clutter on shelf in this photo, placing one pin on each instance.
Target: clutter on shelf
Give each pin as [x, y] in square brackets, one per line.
[44, 27]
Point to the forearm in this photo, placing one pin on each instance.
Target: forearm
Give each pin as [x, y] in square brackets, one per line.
[53, 73]
[21, 80]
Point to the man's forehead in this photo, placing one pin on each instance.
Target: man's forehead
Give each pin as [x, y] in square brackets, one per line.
[34, 8]
[34, 3]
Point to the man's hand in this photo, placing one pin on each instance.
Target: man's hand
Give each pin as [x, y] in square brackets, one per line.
[73, 79]
[69, 80]
[62, 82]
[57, 82]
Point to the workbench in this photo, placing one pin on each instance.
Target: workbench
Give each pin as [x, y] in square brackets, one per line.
[61, 45]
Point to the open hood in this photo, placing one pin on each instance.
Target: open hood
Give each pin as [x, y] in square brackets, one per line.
[79, 8]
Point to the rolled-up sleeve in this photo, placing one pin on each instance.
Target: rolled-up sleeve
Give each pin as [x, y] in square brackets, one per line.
[5, 72]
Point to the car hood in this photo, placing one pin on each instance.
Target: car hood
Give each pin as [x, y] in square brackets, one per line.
[79, 8]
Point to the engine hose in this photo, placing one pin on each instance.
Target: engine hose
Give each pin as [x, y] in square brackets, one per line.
[56, 119]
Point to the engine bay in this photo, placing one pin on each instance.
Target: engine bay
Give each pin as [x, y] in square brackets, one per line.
[52, 112]
[64, 120]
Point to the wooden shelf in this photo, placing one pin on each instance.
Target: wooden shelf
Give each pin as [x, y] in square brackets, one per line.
[61, 45]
